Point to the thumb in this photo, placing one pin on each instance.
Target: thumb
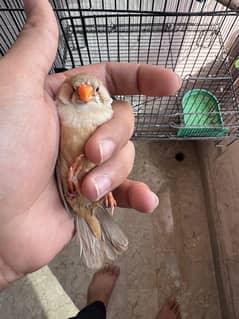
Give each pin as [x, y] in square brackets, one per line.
[36, 46]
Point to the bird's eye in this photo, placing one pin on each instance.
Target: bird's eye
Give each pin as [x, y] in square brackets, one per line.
[97, 89]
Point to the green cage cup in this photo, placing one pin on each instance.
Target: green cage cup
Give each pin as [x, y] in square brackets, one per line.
[201, 115]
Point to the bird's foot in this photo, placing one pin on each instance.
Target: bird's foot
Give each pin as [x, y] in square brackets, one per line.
[110, 202]
[72, 179]
[71, 196]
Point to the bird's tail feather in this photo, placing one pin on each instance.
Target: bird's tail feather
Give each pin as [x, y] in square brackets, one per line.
[112, 234]
[95, 252]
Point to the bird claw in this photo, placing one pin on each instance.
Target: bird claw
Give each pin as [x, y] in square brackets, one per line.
[110, 202]
[71, 196]
[72, 179]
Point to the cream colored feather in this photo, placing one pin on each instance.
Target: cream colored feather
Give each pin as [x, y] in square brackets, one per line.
[99, 237]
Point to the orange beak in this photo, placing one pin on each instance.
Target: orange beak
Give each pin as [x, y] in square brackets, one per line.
[85, 92]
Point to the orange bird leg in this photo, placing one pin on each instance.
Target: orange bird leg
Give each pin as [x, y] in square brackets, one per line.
[110, 202]
[72, 179]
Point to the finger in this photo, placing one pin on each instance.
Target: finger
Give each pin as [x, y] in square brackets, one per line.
[108, 176]
[127, 78]
[124, 78]
[137, 195]
[36, 46]
[110, 137]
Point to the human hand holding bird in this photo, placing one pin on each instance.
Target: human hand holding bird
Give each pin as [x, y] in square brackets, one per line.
[34, 225]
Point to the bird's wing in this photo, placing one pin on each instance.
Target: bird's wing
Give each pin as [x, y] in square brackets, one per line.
[61, 190]
[114, 240]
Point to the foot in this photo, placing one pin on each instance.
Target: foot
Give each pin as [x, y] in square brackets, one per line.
[72, 179]
[110, 203]
[102, 284]
[170, 310]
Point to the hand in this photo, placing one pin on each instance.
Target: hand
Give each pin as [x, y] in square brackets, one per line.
[34, 226]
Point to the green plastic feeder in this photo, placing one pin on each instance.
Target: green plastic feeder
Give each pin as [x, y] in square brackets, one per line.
[201, 115]
[237, 64]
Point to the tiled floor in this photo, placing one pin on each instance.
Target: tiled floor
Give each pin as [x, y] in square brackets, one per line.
[169, 251]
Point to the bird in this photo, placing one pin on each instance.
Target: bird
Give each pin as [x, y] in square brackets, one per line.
[83, 104]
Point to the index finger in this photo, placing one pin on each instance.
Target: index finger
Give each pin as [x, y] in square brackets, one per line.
[146, 79]
[131, 78]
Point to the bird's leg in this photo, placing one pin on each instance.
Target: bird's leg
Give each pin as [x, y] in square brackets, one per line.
[72, 179]
[110, 202]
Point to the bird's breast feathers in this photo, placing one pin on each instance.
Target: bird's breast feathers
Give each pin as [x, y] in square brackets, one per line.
[91, 115]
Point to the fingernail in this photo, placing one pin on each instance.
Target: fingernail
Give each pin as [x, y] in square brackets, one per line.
[107, 147]
[102, 185]
[156, 199]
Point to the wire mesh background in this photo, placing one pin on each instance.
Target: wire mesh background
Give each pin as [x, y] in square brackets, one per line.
[197, 39]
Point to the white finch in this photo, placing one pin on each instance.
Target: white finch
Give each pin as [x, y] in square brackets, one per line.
[83, 104]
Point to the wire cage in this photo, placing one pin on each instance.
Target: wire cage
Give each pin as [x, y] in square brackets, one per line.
[198, 39]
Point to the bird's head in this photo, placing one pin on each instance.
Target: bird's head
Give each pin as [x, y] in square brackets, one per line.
[89, 90]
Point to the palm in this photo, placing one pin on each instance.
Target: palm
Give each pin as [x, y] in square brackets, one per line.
[36, 223]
